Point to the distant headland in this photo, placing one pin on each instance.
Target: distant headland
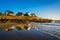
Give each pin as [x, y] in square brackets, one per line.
[9, 16]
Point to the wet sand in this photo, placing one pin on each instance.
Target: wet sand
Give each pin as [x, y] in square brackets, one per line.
[25, 35]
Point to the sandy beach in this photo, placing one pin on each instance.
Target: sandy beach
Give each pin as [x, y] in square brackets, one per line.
[23, 34]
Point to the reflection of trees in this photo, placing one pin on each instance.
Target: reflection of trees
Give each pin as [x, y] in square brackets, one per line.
[6, 28]
[22, 26]
[1, 28]
[19, 26]
[26, 28]
[9, 28]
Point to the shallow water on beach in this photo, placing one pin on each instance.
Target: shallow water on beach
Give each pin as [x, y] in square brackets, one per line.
[11, 31]
[50, 28]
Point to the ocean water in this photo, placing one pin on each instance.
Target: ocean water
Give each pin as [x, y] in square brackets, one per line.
[50, 28]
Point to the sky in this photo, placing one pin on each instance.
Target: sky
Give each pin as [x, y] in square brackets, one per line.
[48, 9]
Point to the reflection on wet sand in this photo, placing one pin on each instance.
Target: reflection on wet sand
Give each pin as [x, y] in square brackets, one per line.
[9, 27]
[22, 26]
[19, 26]
[26, 25]
[10, 33]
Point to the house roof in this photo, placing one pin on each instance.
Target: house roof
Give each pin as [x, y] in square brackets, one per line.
[9, 12]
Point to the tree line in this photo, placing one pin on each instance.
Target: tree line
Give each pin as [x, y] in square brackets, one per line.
[17, 14]
[9, 16]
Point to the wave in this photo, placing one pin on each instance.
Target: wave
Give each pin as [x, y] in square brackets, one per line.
[49, 28]
[53, 24]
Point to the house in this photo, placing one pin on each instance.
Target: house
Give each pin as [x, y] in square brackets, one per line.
[28, 14]
[9, 13]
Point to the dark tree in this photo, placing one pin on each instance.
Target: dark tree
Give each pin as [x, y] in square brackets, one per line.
[19, 14]
[33, 14]
[1, 13]
[26, 14]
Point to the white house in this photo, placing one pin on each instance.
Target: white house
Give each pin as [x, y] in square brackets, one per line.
[29, 14]
[9, 13]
